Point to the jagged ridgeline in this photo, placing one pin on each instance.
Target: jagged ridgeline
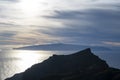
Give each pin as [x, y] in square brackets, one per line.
[83, 65]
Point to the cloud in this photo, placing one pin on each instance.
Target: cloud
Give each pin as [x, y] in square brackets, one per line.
[91, 25]
[113, 43]
[7, 34]
[89, 22]
[6, 38]
[7, 24]
[10, 0]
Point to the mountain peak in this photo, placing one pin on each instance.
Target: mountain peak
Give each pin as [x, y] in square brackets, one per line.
[86, 51]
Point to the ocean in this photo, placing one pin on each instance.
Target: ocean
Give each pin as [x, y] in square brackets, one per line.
[16, 61]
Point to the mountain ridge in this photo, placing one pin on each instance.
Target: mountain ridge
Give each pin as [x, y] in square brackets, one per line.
[82, 65]
[61, 46]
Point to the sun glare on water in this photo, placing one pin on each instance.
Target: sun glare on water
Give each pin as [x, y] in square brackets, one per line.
[29, 58]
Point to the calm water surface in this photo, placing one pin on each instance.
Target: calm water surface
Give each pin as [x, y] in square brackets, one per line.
[16, 61]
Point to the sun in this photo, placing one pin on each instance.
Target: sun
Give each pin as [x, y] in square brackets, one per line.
[29, 7]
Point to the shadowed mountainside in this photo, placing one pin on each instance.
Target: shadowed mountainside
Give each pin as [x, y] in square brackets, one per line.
[83, 65]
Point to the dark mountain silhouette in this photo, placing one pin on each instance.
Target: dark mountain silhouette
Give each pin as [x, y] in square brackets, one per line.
[61, 46]
[83, 65]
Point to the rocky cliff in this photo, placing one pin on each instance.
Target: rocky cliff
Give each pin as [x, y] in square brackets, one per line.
[83, 65]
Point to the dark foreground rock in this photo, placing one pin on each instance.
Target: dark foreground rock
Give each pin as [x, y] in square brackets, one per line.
[83, 65]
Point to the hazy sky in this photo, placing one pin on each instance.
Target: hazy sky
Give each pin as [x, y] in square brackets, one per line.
[86, 22]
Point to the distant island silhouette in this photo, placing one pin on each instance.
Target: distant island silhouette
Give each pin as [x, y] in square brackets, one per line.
[82, 65]
[61, 47]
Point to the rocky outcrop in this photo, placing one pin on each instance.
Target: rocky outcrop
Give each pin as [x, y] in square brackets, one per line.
[83, 65]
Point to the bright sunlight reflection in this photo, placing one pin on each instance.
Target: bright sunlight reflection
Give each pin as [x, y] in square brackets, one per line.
[29, 58]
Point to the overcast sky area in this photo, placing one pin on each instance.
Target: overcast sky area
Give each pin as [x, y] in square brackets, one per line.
[84, 22]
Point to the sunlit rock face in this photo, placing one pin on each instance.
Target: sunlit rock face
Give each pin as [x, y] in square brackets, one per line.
[83, 65]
